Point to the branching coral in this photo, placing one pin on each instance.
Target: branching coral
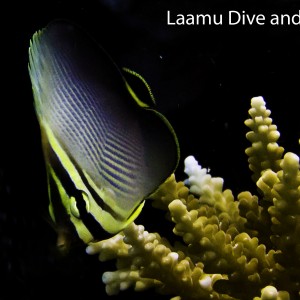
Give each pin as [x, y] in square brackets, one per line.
[226, 248]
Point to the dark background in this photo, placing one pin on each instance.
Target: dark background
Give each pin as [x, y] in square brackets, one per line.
[203, 78]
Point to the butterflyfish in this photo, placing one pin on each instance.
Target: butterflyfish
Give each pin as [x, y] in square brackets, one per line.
[105, 149]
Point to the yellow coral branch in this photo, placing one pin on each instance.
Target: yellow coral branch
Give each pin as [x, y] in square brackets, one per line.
[264, 153]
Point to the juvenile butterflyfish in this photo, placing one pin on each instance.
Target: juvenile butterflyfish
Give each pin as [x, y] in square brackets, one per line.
[105, 149]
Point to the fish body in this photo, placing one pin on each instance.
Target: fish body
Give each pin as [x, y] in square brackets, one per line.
[105, 149]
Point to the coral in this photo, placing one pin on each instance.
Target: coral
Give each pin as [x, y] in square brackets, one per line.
[246, 247]
[264, 153]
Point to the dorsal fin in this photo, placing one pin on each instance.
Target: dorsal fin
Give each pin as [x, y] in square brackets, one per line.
[138, 88]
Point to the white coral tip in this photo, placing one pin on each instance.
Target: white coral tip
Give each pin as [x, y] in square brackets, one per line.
[257, 101]
[205, 282]
[190, 164]
[269, 293]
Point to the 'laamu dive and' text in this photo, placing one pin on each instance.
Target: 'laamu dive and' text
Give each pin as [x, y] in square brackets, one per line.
[232, 18]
